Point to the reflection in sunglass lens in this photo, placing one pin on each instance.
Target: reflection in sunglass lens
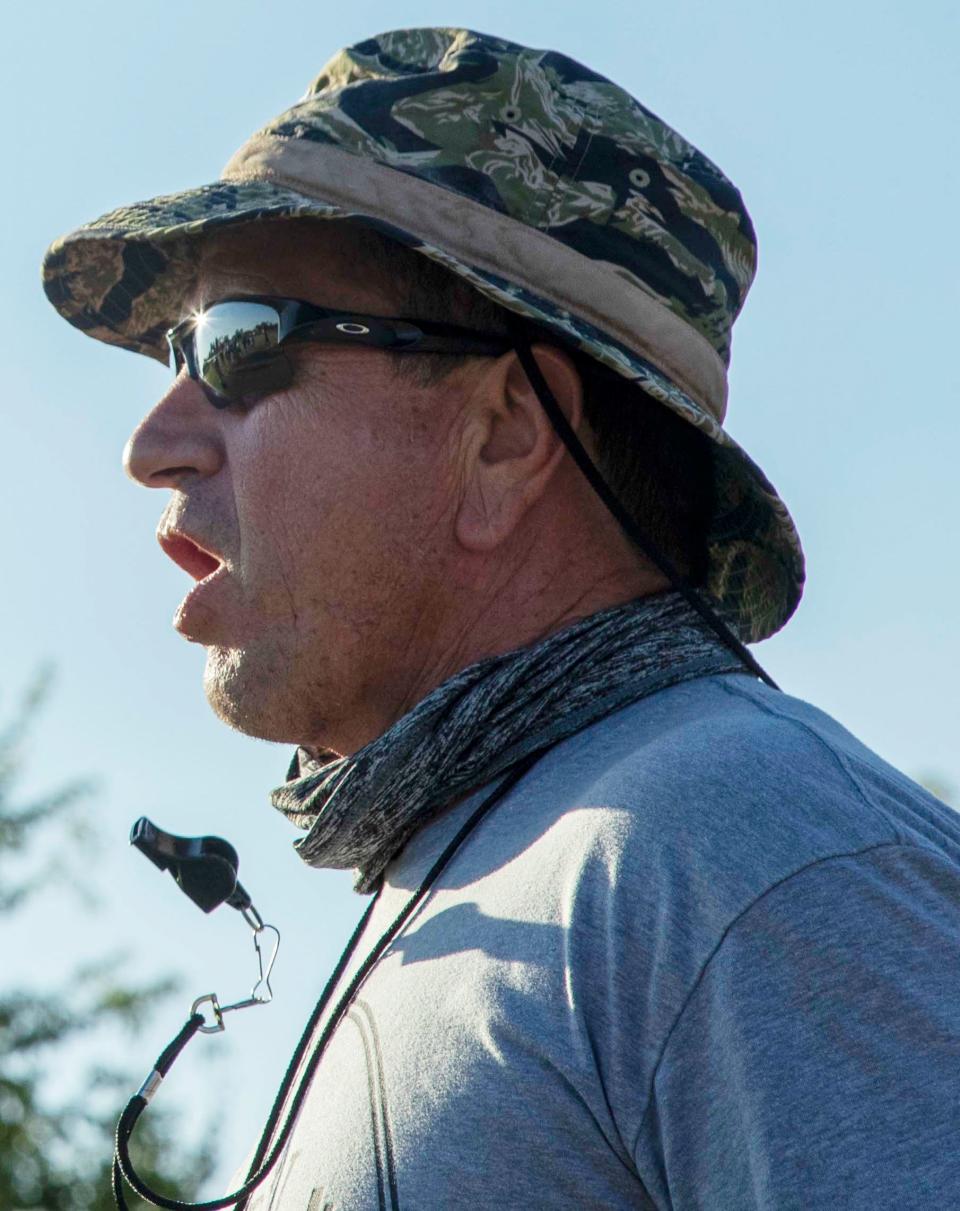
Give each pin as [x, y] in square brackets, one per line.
[237, 350]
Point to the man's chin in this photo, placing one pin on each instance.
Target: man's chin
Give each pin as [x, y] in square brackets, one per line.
[253, 698]
[237, 696]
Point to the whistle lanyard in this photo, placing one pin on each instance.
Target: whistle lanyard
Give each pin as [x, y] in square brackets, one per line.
[260, 1168]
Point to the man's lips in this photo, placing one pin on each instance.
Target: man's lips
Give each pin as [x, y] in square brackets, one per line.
[189, 554]
[207, 567]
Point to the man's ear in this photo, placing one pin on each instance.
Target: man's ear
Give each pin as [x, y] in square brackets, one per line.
[512, 450]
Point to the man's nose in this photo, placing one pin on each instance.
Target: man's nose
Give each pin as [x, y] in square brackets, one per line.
[180, 437]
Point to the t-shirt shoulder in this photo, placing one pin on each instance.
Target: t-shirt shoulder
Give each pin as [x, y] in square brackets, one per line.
[712, 792]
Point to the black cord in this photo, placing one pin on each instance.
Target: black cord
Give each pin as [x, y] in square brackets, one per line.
[257, 1174]
[125, 1165]
[138, 1103]
[569, 438]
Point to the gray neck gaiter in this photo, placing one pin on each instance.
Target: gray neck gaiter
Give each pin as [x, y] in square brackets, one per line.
[361, 810]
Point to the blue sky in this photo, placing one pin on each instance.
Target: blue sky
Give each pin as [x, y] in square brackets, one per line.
[838, 124]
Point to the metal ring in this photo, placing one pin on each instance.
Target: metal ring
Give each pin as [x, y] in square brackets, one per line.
[211, 997]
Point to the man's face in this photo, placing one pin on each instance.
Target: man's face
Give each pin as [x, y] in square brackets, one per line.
[330, 505]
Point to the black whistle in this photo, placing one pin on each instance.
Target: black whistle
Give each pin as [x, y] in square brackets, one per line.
[205, 868]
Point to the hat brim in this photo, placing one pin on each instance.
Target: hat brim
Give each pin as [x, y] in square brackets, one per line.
[123, 279]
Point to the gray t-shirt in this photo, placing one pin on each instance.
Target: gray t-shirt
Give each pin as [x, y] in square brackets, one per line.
[705, 955]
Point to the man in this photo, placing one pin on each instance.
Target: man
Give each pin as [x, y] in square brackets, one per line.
[647, 932]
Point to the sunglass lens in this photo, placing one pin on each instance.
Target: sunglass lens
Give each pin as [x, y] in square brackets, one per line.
[237, 351]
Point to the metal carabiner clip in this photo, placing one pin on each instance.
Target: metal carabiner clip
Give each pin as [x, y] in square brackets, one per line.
[261, 994]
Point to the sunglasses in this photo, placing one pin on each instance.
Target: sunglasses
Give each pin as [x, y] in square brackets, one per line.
[234, 348]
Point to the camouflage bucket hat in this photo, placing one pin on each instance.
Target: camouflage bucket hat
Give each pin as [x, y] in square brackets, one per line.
[545, 186]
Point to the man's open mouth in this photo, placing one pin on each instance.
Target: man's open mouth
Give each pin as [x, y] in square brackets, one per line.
[189, 554]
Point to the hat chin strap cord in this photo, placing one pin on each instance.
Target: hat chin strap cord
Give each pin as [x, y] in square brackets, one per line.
[630, 527]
